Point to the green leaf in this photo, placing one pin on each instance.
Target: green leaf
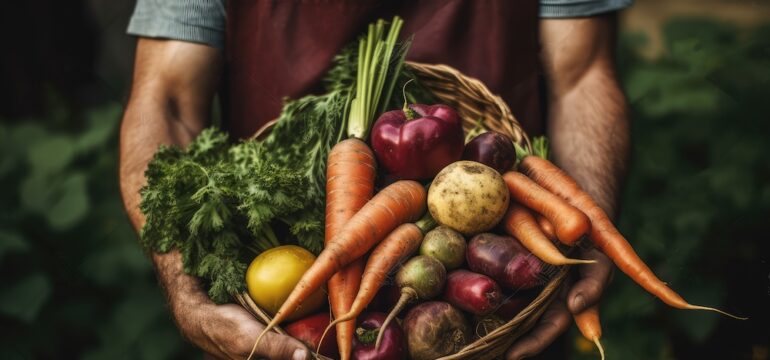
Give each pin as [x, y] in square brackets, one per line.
[102, 125]
[24, 299]
[27, 134]
[51, 155]
[35, 193]
[71, 204]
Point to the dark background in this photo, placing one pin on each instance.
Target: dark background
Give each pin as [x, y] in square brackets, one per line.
[696, 205]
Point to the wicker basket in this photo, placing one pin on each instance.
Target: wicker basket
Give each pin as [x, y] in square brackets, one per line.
[475, 104]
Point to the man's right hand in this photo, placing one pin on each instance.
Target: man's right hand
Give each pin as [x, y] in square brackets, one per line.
[228, 332]
[171, 96]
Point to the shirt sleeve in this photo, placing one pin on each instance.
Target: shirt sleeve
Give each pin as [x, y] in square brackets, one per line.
[579, 8]
[199, 21]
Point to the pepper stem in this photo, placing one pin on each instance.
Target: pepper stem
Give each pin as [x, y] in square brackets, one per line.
[409, 113]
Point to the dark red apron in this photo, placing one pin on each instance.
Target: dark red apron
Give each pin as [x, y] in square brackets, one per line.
[277, 49]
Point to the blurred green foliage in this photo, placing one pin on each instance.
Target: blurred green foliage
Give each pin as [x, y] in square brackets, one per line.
[76, 284]
[697, 198]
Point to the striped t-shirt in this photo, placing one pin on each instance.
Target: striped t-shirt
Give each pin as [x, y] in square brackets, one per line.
[203, 21]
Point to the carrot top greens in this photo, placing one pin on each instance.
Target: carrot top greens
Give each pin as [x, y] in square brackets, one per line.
[220, 203]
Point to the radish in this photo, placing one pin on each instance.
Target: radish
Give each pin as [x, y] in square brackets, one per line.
[446, 245]
[421, 278]
[435, 329]
[472, 292]
[506, 261]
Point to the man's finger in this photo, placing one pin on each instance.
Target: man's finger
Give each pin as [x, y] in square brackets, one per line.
[279, 347]
[554, 322]
[593, 279]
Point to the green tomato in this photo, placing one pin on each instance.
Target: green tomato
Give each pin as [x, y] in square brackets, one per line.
[272, 276]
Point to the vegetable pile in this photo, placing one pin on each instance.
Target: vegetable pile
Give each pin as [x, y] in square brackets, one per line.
[466, 239]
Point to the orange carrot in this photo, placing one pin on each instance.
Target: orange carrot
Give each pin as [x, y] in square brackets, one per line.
[399, 203]
[588, 323]
[570, 223]
[547, 227]
[350, 174]
[520, 223]
[394, 249]
[603, 233]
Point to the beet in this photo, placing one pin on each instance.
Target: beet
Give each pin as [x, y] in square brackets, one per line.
[421, 278]
[524, 271]
[492, 149]
[393, 343]
[435, 329]
[472, 292]
[506, 261]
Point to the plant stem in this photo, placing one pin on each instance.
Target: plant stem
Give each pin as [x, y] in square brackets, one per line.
[375, 57]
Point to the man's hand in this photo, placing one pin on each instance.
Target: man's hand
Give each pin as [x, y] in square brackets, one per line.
[224, 331]
[586, 291]
[228, 332]
[588, 129]
[173, 87]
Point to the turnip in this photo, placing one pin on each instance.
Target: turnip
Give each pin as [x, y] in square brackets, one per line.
[446, 245]
[435, 329]
[469, 197]
[422, 277]
[506, 261]
[472, 292]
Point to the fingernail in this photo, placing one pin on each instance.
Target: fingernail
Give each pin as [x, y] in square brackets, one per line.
[578, 303]
[299, 354]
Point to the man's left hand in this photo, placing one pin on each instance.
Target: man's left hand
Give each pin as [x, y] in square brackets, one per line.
[585, 292]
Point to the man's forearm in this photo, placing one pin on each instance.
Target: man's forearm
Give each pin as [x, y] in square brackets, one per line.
[147, 124]
[170, 102]
[589, 132]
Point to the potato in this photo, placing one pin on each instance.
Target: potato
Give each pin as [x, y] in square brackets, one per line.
[469, 197]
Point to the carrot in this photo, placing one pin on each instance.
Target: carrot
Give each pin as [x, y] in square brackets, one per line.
[520, 223]
[400, 202]
[588, 323]
[394, 249]
[547, 227]
[603, 233]
[350, 173]
[570, 223]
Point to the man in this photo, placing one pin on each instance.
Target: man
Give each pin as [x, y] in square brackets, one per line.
[275, 49]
